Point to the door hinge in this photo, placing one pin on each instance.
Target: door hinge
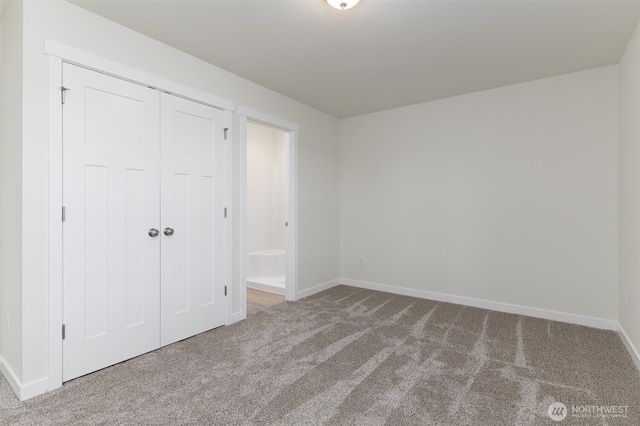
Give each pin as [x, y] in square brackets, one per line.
[225, 133]
[225, 212]
[64, 213]
[225, 290]
[64, 332]
[62, 91]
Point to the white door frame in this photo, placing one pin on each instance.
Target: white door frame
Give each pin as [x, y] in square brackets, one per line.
[59, 53]
[291, 178]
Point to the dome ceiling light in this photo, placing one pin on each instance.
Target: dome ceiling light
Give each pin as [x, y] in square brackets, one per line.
[343, 4]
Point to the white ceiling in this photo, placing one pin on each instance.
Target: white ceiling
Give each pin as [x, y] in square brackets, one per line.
[385, 53]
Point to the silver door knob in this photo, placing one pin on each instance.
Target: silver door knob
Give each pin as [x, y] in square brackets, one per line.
[168, 231]
[153, 232]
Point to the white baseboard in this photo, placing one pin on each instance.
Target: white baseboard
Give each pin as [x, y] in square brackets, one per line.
[35, 388]
[266, 287]
[630, 348]
[486, 304]
[23, 392]
[235, 317]
[317, 289]
[11, 377]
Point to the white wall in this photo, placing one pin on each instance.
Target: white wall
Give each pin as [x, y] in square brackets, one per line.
[2, 9]
[507, 195]
[265, 189]
[10, 188]
[67, 24]
[629, 190]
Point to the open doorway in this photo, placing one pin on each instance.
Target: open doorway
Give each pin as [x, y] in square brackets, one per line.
[266, 217]
[268, 228]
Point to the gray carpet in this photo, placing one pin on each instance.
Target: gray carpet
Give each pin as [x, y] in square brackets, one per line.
[357, 357]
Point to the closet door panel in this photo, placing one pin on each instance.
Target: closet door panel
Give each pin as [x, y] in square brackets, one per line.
[111, 281]
[192, 265]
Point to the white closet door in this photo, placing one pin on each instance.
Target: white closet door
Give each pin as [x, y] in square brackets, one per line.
[192, 265]
[111, 194]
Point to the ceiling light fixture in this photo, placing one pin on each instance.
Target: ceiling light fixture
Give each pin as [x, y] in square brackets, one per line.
[343, 4]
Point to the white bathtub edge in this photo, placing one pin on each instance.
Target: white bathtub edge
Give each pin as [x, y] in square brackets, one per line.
[270, 252]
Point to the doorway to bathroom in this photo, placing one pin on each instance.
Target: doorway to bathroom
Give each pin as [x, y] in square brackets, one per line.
[266, 217]
[268, 265]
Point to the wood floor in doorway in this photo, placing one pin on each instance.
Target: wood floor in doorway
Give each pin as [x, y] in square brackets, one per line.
[258, 300]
